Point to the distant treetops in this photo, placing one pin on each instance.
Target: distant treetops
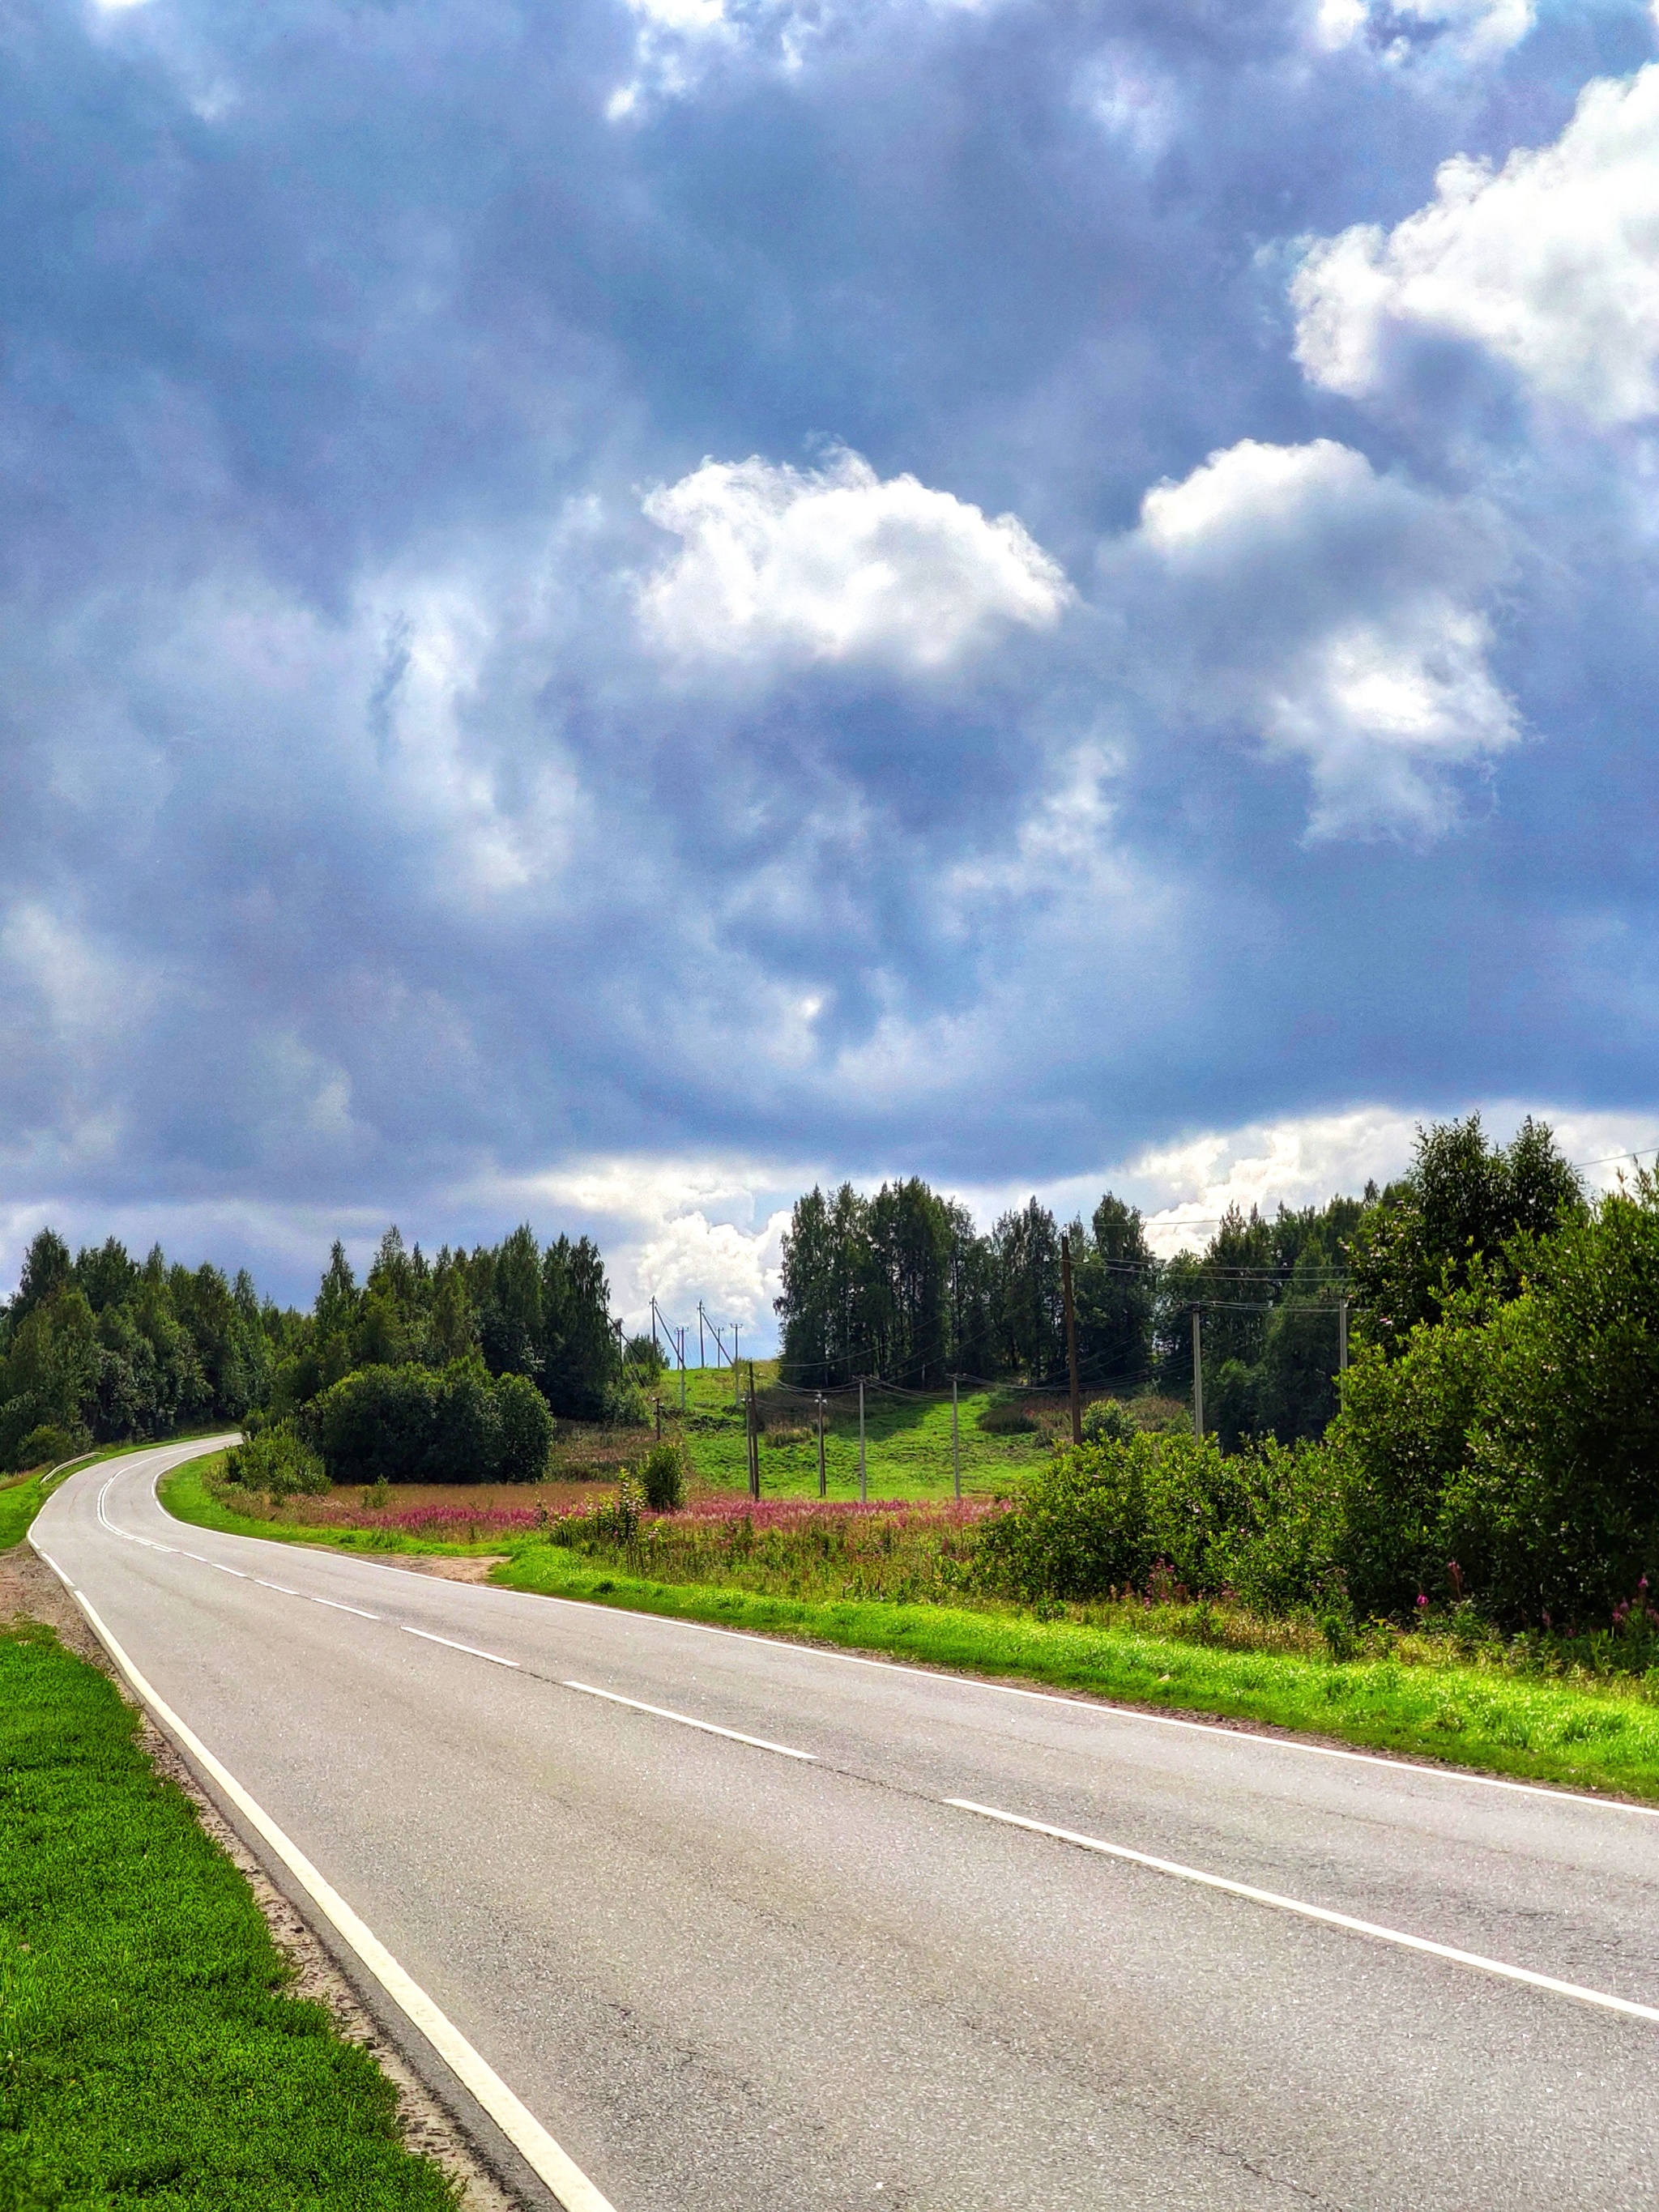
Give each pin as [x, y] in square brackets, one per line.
[903, 1286]
[102, 1348]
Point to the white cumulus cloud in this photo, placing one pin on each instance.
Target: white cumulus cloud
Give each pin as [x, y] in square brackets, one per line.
[1550, 264]
[778, 565]
[1340, 615]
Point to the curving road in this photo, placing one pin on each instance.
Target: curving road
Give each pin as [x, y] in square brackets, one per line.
[801, 1956]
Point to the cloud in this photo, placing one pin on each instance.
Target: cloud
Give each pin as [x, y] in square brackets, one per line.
[778, 567]
[1339, 616]
[392, 815]
[1459, 33]
[1549, 263]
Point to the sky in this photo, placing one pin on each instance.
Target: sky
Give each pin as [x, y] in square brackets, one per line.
[610, 608]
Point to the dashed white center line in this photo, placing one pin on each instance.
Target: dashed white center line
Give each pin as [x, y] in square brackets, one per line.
[471, 1649]
[224, 1569]
[281, 1588]
[335, 1606]
[735, 1735]
[1320, 1913]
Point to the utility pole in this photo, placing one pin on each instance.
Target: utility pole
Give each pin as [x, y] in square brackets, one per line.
[1342, 1336]
[682, 1370]
[754, 1436]
[824, 1486]
[703, 1356]
[956, 1442]
[863, 1488]
[1198, 1371]
[736, 1383]
[1070, 1337]
[657, 1402]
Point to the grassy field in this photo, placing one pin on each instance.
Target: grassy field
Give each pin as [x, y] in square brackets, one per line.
[186, 1496]
[907, 1439]
[1583, 1735]
[148, 2056]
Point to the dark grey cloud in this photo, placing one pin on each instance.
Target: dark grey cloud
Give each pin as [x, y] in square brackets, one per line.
[390, 808]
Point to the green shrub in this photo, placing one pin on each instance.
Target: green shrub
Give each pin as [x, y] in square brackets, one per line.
[526, 1428]
[1120, 1512]
[626, 1406]
[277, 1462]
[1083, 1527]
[49, 1445]
[407, 1424]
[377, 1424]
[1108, 1421]
[662, 1476]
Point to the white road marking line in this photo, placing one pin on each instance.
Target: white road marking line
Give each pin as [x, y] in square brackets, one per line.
[471, 1649]
[1102, 1708]
[335, 1606]
[760, 1742]
[572, 2187]
[283, 1587]
[56, 1569]
[224, 1569]
[1319, 1912]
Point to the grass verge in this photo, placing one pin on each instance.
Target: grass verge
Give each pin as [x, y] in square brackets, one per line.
[185, 1495]
[149, 2055]
[21, 1500]
[1582, 1737]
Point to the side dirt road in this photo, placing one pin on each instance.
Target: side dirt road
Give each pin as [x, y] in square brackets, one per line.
[83, 2107]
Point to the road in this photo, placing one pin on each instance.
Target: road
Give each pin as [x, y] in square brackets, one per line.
[726, 1977]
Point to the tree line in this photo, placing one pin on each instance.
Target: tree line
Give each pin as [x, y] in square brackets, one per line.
[98, 1347]
[1494, 1457]
[904, 1285]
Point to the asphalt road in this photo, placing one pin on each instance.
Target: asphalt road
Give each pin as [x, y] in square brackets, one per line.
[728, 1979]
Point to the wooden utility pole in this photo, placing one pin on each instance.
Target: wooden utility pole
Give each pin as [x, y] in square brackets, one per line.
[1071, 1338]
[737, 1380]
[864, 1491]
[754, 1435]
[823, 1489]
[956, 1442]
[1342, 1336]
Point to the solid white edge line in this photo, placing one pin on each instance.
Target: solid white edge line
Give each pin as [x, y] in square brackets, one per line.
[472, 1651]
[1318, 1912]
[709, 1728]
[575, 2192]
[56, 1569]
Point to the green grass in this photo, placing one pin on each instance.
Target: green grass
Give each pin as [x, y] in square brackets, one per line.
[185, 1495]
[906, 1441]
[149, 2055]
[21, 1498]
[1581, 1736]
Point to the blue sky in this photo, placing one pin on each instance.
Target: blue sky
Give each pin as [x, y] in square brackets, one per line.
[610, 608]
